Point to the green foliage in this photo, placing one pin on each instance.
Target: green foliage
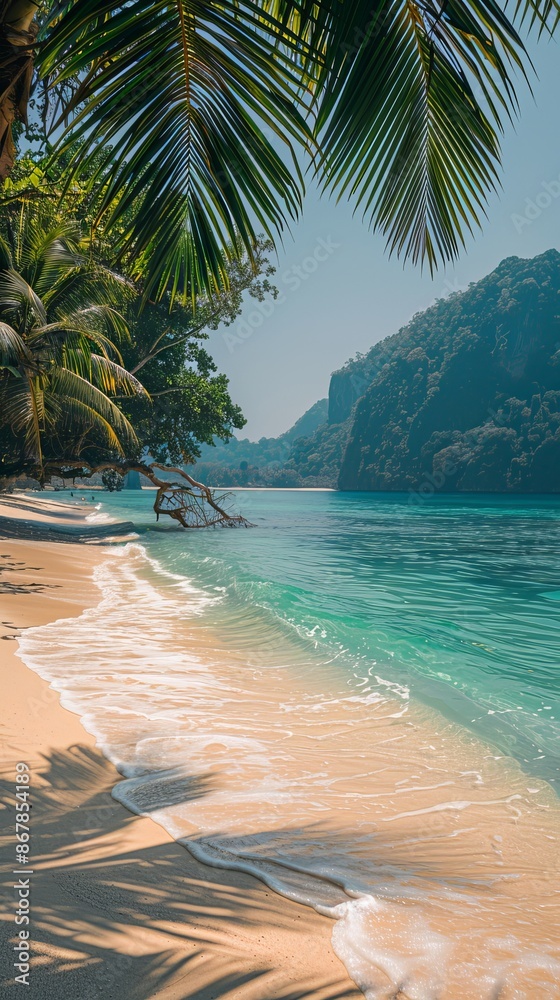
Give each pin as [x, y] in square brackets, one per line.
[192, 118]
[173, 102]
[112, 481]
[317, 459]
[267, 451]
[59, 359]
[261, 462]
[466, 397]
[188, 400]
[271, 476]
[470, 396]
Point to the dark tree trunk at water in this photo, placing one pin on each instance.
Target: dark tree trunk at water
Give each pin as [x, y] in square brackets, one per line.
[132, 481]
[17, 38]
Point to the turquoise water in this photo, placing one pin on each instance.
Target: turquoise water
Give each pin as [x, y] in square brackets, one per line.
[355, 701]
[458, 598]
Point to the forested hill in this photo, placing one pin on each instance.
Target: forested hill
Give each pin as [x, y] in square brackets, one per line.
[224, 461]
[465, 397]
[469, 398]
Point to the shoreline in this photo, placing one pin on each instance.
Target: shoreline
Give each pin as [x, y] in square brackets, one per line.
[118, 906]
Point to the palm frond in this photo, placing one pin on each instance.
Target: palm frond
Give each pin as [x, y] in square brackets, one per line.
[194, 99]
[16, 294]
[543, 15]
[87, 282]
[67, 383]
[78, 418]
[95, 324]
[12, 347]
[99, 317]
[58, 358]
[6, 258]
[22, 408]
[47, 246]
[112, 378]
[408, 113]
[400, 103]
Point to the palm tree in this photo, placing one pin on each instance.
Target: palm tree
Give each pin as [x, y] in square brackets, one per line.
[59, 365]
[189, 117]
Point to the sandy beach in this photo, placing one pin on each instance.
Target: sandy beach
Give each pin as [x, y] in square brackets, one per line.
[117, 908]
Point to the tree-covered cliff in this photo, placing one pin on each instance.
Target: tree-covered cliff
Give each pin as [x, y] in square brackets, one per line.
[467, 396]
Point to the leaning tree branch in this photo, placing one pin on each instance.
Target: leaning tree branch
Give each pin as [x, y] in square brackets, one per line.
[154, 395]
[178, 500]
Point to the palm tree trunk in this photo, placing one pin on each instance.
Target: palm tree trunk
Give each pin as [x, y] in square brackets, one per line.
[17, 38]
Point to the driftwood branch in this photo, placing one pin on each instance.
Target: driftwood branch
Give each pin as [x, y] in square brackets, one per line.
[176, 499]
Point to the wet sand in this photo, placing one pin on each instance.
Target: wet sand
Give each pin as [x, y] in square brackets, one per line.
[264, 759]
[118, 908]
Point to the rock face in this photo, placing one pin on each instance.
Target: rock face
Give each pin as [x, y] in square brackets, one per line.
[344, 391]
[350, 382]
[313, 418]
[466, 397]
[316, 459]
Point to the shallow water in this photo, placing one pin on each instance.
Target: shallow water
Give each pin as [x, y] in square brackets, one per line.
[356, 701]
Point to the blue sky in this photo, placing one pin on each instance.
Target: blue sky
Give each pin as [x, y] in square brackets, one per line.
[340, 293]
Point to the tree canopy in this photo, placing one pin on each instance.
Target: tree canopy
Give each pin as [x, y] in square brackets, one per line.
[90, 371]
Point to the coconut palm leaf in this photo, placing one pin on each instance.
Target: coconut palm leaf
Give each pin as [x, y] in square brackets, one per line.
[58, 358]
[16, 295]
[6, 259]
[72, 345]
[401, 103]
[88, 282]
[66, 383]
[113, 379]
[22, 407]
[12, 347]
[421, 153]
[194, 98]
[44, 250]
[543, 15]
[409, 104]
[79, 420]
[53, 257]
[96, 322]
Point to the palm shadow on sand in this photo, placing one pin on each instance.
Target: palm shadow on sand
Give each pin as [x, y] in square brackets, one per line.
[129, 924]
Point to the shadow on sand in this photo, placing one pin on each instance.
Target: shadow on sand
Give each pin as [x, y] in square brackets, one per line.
[114, 920]
[42, 531]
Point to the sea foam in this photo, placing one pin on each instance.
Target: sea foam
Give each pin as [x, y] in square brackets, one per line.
[432, 854]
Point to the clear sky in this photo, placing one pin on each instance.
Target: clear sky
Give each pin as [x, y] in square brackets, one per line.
[350, 295]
